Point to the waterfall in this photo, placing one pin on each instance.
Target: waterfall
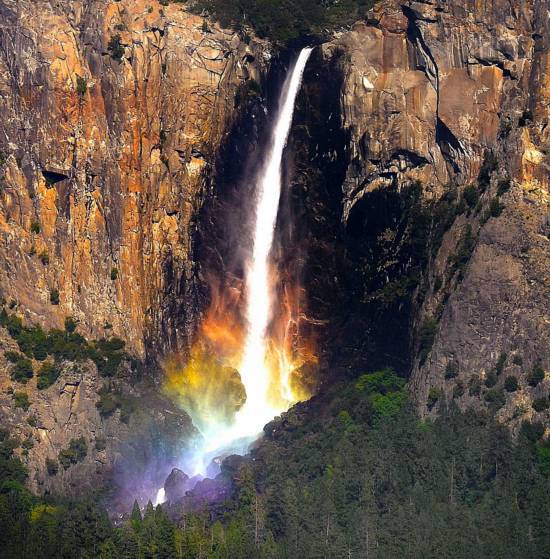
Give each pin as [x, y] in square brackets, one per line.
[254, 375]
[254, 370]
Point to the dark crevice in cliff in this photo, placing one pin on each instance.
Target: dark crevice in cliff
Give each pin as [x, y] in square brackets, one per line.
[52, 177]
[426, 61]
[343, 262]
[505, 72]
[448, 144]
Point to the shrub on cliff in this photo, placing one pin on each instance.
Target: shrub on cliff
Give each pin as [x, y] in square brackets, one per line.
[112, 400]
[471, 195]
[21, 400]
[541, 404]
[434, 395]
[54, 296]
[426, 337]
[115, 48]
[22, 370]
[536, 376]
[511, 384]
[47, 375]
[66, 344]
[76, 451]
[81, 86]
[464, 250]
[495, 207]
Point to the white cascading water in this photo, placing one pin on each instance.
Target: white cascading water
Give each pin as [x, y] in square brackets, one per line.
[255, 378]
[257, 410]
[255, 375]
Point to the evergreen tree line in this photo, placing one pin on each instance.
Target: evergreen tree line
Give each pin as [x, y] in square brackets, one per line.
[351, 473]
[284, 20]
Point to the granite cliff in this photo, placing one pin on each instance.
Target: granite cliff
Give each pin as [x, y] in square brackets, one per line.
[421, 160]
[437, 171]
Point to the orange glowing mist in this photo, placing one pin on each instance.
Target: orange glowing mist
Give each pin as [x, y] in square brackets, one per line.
[206, 383]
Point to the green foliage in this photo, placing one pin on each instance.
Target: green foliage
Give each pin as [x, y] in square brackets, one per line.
[451, 370]
[471, 195]
[495, 207]
[52, 466]
[426, 337]
[54, 296]
[22, 370]
[543, 456]
[541, 404]
[13, 356]
[383, 382]
[433, 397]
[491, 379]
[47, 375]
[70, 324]
[382, 484]
[459, 389]
[536, 376]
[385, 390]
[511, 383]
[81, 86]
[499, 366]
[114, 274]
[495, 398]
[11, 468]
[474, 386]
[111, 400]
[517, 360]
[34, 342]
[459, 481]
[503, 186]
[21, 400]
[283, 20]
[388, 405]
[115, 48]
[464, 251]
[74, 453]
[35, 227]
[345, 419]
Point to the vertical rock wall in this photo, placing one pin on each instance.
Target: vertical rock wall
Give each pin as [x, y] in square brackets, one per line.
[447, 95]
[112, 116]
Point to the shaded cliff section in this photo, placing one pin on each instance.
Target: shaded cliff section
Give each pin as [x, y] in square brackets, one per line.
[113, 113]
[422, 173]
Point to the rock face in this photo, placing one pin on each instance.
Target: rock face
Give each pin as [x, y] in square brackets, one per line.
[73, 441]
[447, 95]
[176, 485]
[421, 166]
[113, 113]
